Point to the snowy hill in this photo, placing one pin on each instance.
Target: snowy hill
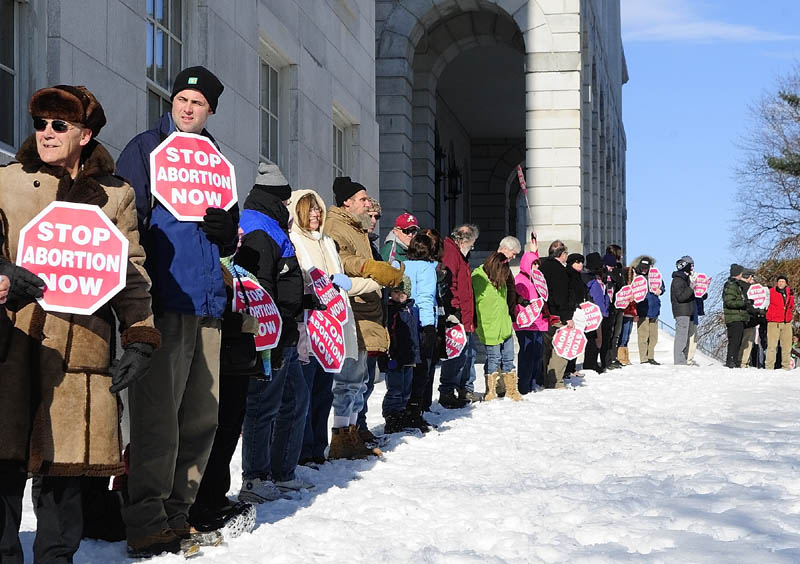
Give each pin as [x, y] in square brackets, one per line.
[644, 464]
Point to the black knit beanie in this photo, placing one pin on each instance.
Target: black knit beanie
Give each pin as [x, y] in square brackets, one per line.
[202, 80]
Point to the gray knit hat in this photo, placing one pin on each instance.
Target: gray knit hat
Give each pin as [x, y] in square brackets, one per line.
[271, 179]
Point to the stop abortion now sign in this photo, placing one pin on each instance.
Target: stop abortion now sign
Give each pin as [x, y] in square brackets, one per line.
[455, 339]
[78, 252]
[254, 300]
[760, 296]
[188, 174]
[569, 342]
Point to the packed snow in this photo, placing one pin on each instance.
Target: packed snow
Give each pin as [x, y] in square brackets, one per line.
[644, 464]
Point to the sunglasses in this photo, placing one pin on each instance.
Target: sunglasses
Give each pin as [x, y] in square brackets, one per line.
[58, 125]
[410, 230]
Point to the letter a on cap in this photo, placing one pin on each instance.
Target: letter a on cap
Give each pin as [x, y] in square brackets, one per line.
[192, 80]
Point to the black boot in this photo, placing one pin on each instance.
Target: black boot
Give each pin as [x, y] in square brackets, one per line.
[448, 400]
[414, 418]
[472, 397]
[395, 422]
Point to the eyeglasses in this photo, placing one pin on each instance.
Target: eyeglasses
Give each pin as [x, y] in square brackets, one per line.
[410, 230]
[375, 216]
[58, 125]
[315, 210]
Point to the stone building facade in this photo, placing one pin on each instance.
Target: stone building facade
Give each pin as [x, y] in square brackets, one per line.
[431, 103]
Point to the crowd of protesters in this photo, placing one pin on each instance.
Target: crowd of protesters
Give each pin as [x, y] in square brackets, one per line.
[194, 381]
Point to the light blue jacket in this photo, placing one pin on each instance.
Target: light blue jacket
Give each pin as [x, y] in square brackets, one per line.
[423, 289]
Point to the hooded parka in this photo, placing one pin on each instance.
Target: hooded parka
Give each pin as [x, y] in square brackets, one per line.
[56, 411]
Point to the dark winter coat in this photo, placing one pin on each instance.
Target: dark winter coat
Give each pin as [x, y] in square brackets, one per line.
[614, 280]
[681, 295]
[578, 285]
[734, 302]
[181, 261]
[781, 306]
[650, 307]
[559, 301]
[462, 299]
[268, 253]
[403, 325]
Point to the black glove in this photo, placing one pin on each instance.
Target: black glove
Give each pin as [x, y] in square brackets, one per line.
[133, 366]
[430, 339]
[524, 303]
[219, 226]
[311, 302]
[25, 286]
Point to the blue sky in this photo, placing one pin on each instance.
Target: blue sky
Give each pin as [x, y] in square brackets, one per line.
[695, 68]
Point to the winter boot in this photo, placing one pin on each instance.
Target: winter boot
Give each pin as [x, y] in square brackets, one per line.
[468, 396]
[491, 386]
[395, 422]
[623, 357]
[414, 418]
[340, 443]
[358, 448]
[448, 400]
[510, 380]
[165, 541]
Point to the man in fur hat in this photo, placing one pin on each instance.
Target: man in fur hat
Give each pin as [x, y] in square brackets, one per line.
[58, 408]
[174, 412]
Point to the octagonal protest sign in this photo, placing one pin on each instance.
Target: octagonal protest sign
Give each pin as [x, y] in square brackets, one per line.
[78, 252]
[455, 339]
[760, 296]
[569, 342]
[527, 316]
[328, 295]
[655, 279]
[326, 340]
[624, 297]
[540, 284]
[593, 315]
[639, 286]
[188, 174]
[701, 284]
[254, 300]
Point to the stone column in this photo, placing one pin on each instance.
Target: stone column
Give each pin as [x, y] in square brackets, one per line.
[553, 120]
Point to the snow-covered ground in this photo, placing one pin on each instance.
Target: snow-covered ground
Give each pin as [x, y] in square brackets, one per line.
[644, 464]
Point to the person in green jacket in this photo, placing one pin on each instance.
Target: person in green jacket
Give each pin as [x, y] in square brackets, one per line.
[396, 243]
[494, 326]
[734, 306]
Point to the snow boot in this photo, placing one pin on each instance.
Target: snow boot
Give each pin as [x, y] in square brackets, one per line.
[340, 443]
[165, 541]
[449, 400]
[654, 362]
[512, 391]
[232, 520]
[468, 396]
[491, 386]
[367, 436]
[394, 422]
[623, 356]
[358, 448]
[202, 538]
[414, 417]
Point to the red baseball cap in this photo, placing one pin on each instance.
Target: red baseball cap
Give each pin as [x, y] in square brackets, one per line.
[405, 221]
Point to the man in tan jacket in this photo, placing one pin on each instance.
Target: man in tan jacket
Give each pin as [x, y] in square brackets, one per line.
[59, 417]
[346, 226]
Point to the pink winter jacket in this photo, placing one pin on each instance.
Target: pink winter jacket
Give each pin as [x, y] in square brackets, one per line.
[527, 290]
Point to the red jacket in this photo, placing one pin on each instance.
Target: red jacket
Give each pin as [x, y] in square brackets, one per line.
[780, 311]
[461, 284]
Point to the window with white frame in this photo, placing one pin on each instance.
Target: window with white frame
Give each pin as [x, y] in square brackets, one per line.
[268, 105]
[8, 72]
[164, 53]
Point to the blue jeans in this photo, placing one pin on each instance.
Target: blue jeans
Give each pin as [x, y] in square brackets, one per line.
[500, 357]
[320, 384]
[398, 389]
[459, 372]
[531, 359]
[372, 365]
[290, 426]
[625, 335]
[349, 386]
[264, 400]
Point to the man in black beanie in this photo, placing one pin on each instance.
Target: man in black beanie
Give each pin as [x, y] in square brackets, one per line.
[174, 411]
[682, 299]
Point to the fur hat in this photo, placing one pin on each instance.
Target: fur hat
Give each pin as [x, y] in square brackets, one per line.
[344, 189]
[374, 206]
[202, 80]
[404, 286]
[271, 180]
[575, 257]
[736, 270]
[71, 103]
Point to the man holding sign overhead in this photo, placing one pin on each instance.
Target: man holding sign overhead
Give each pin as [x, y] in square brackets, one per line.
[174, 413]
[58, 413]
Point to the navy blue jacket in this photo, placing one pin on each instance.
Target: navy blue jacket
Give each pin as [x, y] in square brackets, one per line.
[651, 306]
[182, 263]
[403, 326]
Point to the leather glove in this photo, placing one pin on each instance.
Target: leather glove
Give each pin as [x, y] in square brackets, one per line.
[25, 286]
[311, 302]
[219, 226]
[132, 367]
[430, 339]
[383, 273]
[342, 281]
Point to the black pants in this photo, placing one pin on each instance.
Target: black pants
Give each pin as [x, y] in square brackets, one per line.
[422, 384]
[12, 487]
[735, 332]
[613, 346]
[212, 493]
[606, 348]
[59, 519]
[590, 355]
